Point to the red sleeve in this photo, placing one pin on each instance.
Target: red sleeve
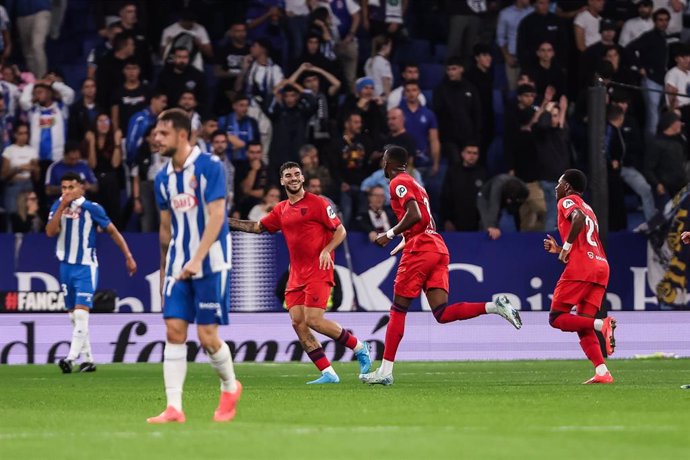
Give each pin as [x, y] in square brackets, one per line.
[272, 222]
[402, 190]
[566, 207]
[327, 215]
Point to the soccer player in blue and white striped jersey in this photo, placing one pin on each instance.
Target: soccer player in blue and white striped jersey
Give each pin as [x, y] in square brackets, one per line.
[195, 262]
[74, 220]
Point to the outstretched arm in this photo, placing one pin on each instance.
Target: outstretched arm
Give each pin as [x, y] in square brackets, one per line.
[247, 226]
[122, 244]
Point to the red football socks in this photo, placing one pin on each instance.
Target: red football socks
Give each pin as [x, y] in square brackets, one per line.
[458, 311]
[319, 358]
[590, 345]
[394, 332]
[347, 339]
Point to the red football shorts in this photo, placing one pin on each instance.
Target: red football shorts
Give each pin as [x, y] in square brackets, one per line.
[421, 271]
[311, 295]
[583, 294]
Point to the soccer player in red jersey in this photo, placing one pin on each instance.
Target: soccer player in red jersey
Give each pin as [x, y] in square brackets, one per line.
[583, 282]
[423, 267]
[312, 231]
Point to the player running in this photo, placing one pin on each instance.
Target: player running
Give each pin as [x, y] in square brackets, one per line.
[312, 231]
[586, 275]
[195, 261]
[423, 267]
[74, 220]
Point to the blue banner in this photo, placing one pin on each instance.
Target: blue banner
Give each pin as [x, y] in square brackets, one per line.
[516, 265]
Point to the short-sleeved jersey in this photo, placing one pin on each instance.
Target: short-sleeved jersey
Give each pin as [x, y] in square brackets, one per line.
[422, 237]
[186, 194]
[587, 261]
[76, 243]
[307, 226]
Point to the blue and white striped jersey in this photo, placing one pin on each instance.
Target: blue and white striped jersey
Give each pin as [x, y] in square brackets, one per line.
[76, 243]
[186, 195]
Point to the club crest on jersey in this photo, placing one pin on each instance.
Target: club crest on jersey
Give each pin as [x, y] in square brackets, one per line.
[193, 183]
[70, 213]
[304, 211]
[183, 202]
[568, 203]
[330, 212]
[401, 191]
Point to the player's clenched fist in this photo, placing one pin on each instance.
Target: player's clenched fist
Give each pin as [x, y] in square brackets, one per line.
[382, 239]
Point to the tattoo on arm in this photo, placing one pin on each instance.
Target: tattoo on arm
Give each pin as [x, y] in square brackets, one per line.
[247, 226]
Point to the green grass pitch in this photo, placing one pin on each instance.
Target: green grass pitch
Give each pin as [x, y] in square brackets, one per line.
[473, 410]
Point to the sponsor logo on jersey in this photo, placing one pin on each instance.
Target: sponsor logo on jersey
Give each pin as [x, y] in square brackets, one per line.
[331, 212]
[183, 202]
[70, 213]
[568, 204]
[209, 305]
[590, 254]
[401, 191]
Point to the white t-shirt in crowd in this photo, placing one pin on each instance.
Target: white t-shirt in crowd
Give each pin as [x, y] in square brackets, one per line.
[19, 156]
[378, 68]
[395, 97]
[633, 28]
[590, 25]
[197, 30]
[681, 81]
[296, 7]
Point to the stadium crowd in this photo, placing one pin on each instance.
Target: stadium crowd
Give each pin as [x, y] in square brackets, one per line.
[490, 97]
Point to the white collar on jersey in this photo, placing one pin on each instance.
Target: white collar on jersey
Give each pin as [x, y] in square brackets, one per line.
[76, 203]
[190, 159]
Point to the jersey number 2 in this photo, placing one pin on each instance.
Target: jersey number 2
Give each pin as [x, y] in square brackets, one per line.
[591, 226]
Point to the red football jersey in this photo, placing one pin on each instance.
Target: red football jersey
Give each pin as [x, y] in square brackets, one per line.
[308, 227]
[422, 237]
[587, 261]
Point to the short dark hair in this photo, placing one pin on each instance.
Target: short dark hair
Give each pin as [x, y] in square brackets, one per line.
[252, 143]
[131, 61]
[240, 97]
[660, 12]
[576, 179]
[21, 124]
[179, 118]
[407, 65]
[180, 48]
[217, 133]
[454, 60]
[72, 146]
[120, 40]
[412, 82]
[70, 176]
[288, 165]
[396, 153]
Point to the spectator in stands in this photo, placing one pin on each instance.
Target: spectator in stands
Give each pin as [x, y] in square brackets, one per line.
[228, 66]
[148, 162]
[140, 122]
[347, 16]
[131, 97]
[677, 85]
[352, 162]
[666, 157]
[398, 135]
[634, 27]
[270, 199]
[180, 76]
[290, 111]
[649, 56]
[129, 22]
[109, 73]
[461, 187]
[594, 53]
[10, 95]
[5, 36]
[297, 20]
[27, 219]
[209, 125]
[19, 169]
[378, 217]
[410, 72]
[538, 27]
[385, 18]
[628, 134]
[320, 25]
[219, 148]
[251, 179]
[240, 128]
[553, 154]
[615, 151]
[506, 37]
[311, 167]
[12, 74]
[480, 74]
[47, 105]
[70, 162]
[369, 106]
[587, 25]
[546, 72]
[621, 72]
[464, 27]
[675, 9]
[188, 103]
[313, 185]
[102, 49]
[458, 108]
[189, 35]
[314, 54]
[259, 75]
[502, 192]
[265, 21]
[33, 24]
[82, 114]
[104, 153]
[378, 66]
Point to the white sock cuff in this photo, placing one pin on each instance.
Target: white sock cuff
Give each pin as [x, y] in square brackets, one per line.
[222, 354]
[175, 351]
[80, 315]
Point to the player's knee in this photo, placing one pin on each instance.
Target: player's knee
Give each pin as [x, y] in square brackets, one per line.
[313, 322]
[176, 336]
[553, 316]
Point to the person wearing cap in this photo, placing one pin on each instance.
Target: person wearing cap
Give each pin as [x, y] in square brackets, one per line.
[665, 159]
[369, 106]
[587, 25]
[677, 84]
[509, 20]
[634, 27]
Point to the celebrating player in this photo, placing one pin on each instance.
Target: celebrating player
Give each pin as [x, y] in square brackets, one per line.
[195, 260]
[586, 275]
[74, 219]
[312, 232]
[424, 265]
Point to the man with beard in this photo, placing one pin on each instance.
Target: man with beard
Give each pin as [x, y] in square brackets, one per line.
[180, 76]
[195, 263]
[312, 231]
